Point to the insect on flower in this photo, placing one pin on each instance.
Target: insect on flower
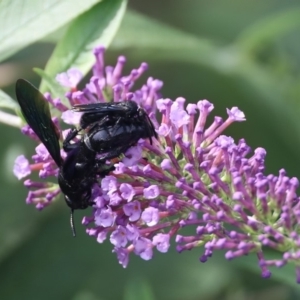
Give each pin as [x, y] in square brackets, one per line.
[194, 177]
[110, 129]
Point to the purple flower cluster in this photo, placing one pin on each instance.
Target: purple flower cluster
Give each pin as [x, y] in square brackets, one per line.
[192, 176]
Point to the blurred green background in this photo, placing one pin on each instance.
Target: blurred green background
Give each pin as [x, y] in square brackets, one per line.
[231, 52]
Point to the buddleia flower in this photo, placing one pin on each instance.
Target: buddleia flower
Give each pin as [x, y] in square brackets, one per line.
[193, 176]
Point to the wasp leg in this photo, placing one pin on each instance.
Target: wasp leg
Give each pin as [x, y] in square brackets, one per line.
[67, 146]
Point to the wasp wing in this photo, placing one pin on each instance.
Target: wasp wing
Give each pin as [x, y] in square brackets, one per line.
[101, 108]
[36, 112]
[97, 112]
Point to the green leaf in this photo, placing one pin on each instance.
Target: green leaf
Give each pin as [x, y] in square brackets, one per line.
[7, 102]
[24, 22]
[95, 27]
[145, 36]
[140, 32]
[268, 29]
[51, 85]
[138, 288]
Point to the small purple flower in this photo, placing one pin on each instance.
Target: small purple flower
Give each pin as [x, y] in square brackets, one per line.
[123, 256]
[99, 202]
[164, 130]
[150, 216]
[163, 105]
[205, 107]
[151, 192]
[119, 237]
[132, 210]
[102, 235]
[109, 184]
[224, 141]
[166, 164]
[143, 248]
[127, 191]
[236, 114]
[21, 167]
[104, 217]
[114, 199]
[70, 78]
[178, 115]
[70, 117]
[132, 156]
[162, 242]
[132, 232]
[42, 154]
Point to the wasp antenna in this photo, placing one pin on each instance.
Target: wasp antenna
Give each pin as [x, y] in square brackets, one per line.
[72, 223]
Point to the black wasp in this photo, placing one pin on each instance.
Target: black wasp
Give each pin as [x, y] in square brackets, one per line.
[109, 129]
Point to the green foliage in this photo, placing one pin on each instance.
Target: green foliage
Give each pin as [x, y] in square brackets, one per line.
[23, 23]
[95, 27]
[234, 55]
[137, 288]
[7, 102]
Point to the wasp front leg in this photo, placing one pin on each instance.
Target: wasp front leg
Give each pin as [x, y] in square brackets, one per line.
[67, 146]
